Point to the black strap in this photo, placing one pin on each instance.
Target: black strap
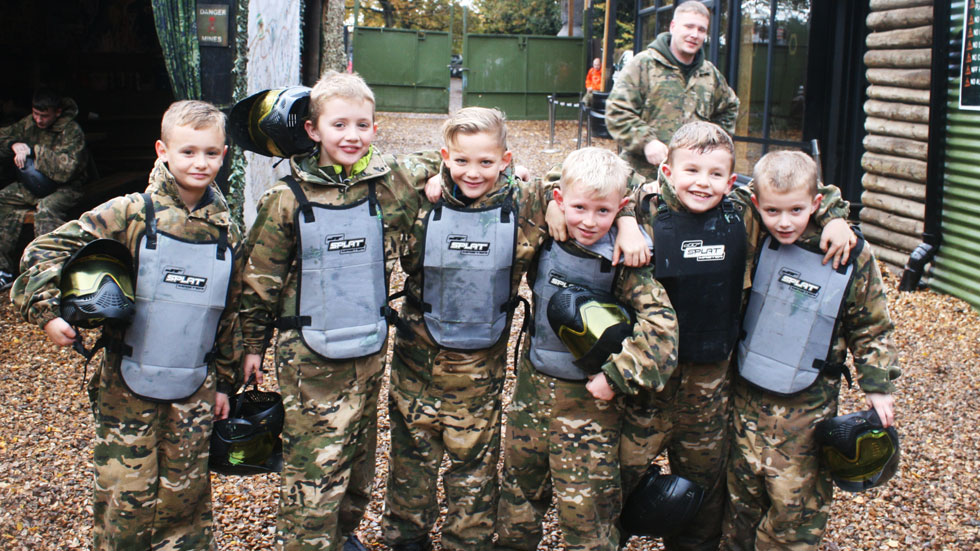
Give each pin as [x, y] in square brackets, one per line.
[508, 205]
[304, 204]
[151, 221]
[834, 370]
[520, 334]
[293, 322]
[372, 199]
[729, 211]
[222, 242]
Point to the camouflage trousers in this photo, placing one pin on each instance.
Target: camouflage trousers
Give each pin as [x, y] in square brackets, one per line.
[15, 201]
[779, 497]
[152, 487]
[448, 403]
[561, 441]
[689, 419]
[329, 439]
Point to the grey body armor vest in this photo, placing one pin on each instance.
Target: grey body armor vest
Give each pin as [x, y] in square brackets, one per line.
[790, 320]
[181, 291]
[700, 261]
[559, 267]
[467, 261]
[342, 291]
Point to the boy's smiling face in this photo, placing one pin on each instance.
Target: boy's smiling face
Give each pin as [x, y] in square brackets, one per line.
[475, 162]
[344, 130]
[588, 217]
[786, 214]
[194, 157]
[700, 179]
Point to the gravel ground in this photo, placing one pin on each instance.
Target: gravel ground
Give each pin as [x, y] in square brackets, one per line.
[46, 436]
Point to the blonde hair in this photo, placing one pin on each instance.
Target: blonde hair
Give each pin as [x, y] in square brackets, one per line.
[194, 113]
[692, 6]
[475, 120]
[785, 171]
[332, 84]
[702, 137]
[600, 172]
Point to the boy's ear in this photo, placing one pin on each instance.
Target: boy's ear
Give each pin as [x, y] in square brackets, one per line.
[816, 201]
[556, 193]
[445, 154]
[731, 182]
[755, 201]
[507, 156]
[311, 131]
[665, 168]
[223, 153]
[623, 202]
[161, 149]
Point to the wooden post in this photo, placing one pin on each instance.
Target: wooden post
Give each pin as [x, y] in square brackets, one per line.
[571, 17]
[608, 42]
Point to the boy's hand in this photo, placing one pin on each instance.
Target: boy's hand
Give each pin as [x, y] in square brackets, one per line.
[599, 387]
[555, 219]
[651, 187]
[521, 172]
[630, 243]
[60, 332]
[837, 239]
[884, 406]
[253, 364]
[433, 188]
[655, 152]
[21, 152]
[221, 406]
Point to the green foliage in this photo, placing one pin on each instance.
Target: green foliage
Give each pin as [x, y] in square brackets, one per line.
[625, 22]
[427, 15]
[541, 17]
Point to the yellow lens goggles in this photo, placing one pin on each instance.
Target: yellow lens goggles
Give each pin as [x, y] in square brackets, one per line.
[87, 275]
[596, 318]
[873, 450]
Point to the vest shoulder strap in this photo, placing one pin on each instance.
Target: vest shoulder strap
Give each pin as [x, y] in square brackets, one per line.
[304, 203]
[151, 221]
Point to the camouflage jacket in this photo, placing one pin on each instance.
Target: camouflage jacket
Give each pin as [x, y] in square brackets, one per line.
[59, 151]
[832, 206]
[864, 326]
[651, 99]
[649, 356]
[271, 279]
[530, 200]
[36, 292]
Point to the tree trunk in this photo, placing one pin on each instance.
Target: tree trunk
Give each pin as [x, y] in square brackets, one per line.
[896, 205]
[894, 186]
[895, 59]
[887, 165]
[893, 222]
[893, 93]
[904, 78]
[875, 125]
[919, 37]
[897, 111]
[900, 147]
[903, 18]
[904, 243]
[333, 55]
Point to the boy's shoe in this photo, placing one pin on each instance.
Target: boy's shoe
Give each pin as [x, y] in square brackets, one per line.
[6, 280]
[354, 544]
[424, 544]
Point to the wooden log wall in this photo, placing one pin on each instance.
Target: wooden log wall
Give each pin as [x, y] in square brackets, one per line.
[897, 125]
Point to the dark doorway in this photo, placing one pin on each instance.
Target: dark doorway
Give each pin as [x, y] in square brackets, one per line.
[102, 53]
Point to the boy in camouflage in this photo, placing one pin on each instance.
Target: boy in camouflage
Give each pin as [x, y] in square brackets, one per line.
[467, 254]
[666, 85]
[52, 141]
[779, 495]
[705, 245]
[321, 250]
[152, 488]
[563, 426]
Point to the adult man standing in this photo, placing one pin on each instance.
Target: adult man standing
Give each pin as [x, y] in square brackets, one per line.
[47, 148]
[665, 86]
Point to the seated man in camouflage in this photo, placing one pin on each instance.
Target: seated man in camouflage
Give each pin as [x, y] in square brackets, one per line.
[48, 151]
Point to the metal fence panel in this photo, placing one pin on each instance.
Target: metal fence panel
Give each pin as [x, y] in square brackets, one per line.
[516, 73]
[407, 70]
[957, 269]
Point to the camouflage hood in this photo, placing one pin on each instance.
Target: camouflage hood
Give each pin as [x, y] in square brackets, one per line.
[212, 205]
[69, 110]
